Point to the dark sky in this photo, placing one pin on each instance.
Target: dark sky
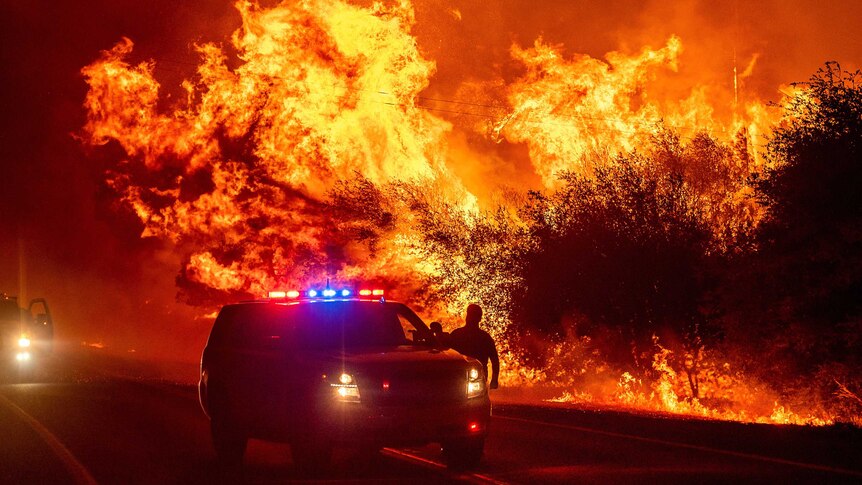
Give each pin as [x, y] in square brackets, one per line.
[64, 238]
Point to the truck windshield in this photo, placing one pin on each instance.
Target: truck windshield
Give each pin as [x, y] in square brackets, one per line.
[352, 325]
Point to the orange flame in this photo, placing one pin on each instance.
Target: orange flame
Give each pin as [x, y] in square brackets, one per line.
[733, 396]
[323, 91]
[572, 113]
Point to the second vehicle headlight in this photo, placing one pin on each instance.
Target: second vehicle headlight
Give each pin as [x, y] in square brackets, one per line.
[24, 342]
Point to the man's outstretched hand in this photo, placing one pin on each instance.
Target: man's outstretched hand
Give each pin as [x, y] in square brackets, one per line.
[494, 384]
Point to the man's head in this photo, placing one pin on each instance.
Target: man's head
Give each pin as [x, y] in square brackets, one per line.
[474, 315]
[436, 327]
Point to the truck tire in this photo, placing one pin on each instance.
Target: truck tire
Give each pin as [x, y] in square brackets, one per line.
[229, 441]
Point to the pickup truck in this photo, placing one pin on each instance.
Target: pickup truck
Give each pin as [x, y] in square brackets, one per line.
[335, 369]
[26, 334]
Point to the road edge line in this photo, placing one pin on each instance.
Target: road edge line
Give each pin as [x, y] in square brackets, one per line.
[473, 477]
[79, 473]
[738, 454]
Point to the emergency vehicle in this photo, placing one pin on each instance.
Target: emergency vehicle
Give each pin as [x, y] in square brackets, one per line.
[25, 335]
[327, 367]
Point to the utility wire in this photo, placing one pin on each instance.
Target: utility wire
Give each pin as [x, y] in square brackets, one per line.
[507, 109]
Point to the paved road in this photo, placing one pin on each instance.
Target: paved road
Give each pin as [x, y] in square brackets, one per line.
[102, 423]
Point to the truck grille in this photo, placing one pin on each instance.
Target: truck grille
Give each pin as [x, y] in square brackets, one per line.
[417, 388]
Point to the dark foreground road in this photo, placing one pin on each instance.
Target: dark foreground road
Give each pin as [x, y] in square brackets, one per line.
[96, 420]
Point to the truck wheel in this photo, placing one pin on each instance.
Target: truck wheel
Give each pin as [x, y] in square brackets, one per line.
[463, 453]
[228, 441]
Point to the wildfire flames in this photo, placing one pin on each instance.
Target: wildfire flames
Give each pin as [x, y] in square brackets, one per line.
[237, 172]
[308, 105]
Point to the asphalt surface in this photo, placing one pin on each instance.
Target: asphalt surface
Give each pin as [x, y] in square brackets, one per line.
[87, 418]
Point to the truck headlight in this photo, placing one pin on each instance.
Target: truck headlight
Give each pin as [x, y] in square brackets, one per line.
[475, 383]
[345, 389]
[23, 342]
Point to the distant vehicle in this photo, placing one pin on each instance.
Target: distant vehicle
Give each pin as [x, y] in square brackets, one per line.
[25, 334]
[329, 368]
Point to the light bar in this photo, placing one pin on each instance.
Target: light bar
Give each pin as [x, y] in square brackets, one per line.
[325, 293]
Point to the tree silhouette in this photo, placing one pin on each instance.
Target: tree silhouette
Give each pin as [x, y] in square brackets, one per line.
[811, 237]
[619, 254]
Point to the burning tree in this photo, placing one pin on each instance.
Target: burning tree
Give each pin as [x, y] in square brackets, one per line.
[618, 255]
[806, 271]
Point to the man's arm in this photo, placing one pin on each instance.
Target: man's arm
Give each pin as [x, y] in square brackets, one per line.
[495, 364]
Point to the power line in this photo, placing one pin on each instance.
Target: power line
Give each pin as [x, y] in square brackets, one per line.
[507, 110]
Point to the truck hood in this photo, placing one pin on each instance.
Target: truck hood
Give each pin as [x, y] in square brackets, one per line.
[404, 353]
[406, 375]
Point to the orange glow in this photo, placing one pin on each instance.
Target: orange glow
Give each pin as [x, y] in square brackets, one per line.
[327, 90]
[312, 94]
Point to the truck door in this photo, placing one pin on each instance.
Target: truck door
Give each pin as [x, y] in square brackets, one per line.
[43, 324]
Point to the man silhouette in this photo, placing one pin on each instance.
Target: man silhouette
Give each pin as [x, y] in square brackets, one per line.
[472, 341]
[437, 331]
